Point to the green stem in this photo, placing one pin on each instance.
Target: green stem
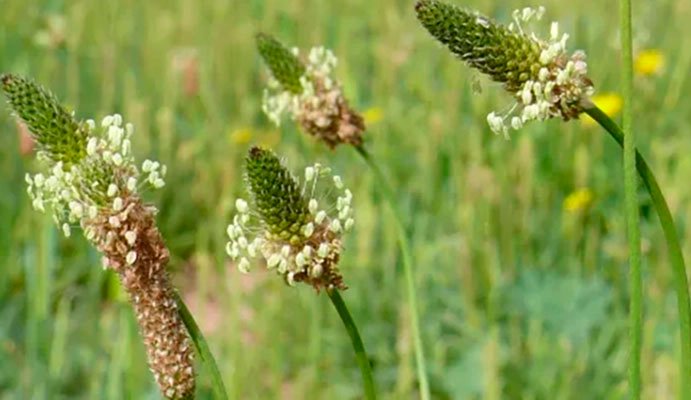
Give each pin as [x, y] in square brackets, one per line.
[203, 350]
[673, 247]
[630, 198]
[358, 347]
[407, 268]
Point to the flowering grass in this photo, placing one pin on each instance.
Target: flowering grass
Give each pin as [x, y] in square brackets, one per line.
[499, 273]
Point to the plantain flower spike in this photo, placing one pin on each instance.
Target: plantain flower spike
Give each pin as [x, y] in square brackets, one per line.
[59, 135]
[306, 91]
[92, 182]
[289, 225]
[545, 80]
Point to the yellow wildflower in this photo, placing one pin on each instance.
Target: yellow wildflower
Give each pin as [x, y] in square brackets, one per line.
[373, 115]
[578, 200]
[609, 103]
[649, 62]
[241, 135]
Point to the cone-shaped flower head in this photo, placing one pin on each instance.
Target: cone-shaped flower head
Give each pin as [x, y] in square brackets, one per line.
[305, 90]
[546, 81]
[285, 225]
[285, 67]
[92, 182]
[277, 195]
[59, 135]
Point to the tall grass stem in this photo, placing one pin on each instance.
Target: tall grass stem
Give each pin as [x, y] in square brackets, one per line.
[675, 254]
[358, 346]
[407, 268]
[631, 201]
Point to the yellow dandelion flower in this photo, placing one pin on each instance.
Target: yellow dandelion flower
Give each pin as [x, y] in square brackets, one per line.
[609, 103]
[578, 200]
[373, 115]
[241, 135]
[649, 62]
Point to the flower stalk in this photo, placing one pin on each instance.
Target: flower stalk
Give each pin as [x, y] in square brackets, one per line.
[631, 200]
[358, 346]
[407, 260]
[674, 249]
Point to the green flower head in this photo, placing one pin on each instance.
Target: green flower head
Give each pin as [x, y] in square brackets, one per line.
[283, 63]
[545, 80]
[285, 225]
[508, 57]
[276, 194]
[59, 135]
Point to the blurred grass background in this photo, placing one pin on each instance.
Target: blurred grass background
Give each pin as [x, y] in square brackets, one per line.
[522, 294]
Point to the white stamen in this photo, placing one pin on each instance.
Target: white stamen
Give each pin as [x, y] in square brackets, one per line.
[131, 237]
[323, 250]
[321, 215]
[313, 205]
[241, 206]
[308, 229]
[309, 174]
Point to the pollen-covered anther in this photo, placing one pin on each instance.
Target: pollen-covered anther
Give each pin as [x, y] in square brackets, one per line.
[131, 257]
[131, 237]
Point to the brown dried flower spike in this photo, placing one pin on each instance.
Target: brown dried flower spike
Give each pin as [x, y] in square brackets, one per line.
[133, 247]
[308, 93]
[92, 181]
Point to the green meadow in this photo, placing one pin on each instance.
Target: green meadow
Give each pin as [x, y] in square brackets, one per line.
[519, 246]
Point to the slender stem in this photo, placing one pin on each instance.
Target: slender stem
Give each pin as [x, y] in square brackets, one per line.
[203, 350]
[673, 247]
[408, 271]
[358, 347]
[631, 201]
